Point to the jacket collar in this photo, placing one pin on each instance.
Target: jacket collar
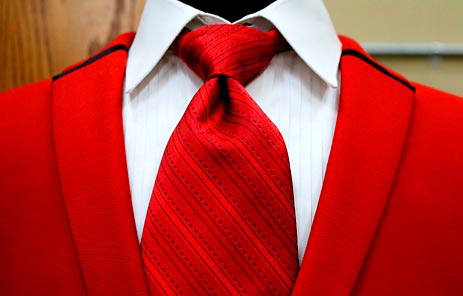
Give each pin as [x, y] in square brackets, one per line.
[372, 124]
[162, 21]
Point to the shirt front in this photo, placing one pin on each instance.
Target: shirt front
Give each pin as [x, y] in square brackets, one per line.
[298, 91]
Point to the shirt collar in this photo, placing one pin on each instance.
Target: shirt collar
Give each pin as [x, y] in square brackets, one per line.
[305, 24]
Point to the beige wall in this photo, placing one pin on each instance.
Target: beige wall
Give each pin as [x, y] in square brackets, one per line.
[407, 21]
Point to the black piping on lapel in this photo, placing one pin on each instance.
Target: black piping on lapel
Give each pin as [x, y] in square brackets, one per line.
[357, 54]
[91, 60]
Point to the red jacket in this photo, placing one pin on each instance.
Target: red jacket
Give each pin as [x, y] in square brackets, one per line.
[389, 220]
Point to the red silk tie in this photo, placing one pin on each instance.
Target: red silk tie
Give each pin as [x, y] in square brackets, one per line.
[221, 217]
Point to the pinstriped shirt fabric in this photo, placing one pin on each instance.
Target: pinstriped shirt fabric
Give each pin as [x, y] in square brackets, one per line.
[297, 91]
[221, 218]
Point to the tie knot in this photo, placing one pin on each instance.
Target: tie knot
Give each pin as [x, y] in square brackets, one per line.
[236, 51]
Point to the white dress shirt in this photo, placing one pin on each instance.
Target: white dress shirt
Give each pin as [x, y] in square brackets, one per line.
[298, 92]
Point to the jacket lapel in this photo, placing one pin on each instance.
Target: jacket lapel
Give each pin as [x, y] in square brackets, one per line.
[87, 111]
[373, 118]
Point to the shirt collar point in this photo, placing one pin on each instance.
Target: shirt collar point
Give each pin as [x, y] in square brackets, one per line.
[129, 86]
[332, 80]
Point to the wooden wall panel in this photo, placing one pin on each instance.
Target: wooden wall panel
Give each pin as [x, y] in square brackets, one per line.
[40, 37]
[24, 50]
